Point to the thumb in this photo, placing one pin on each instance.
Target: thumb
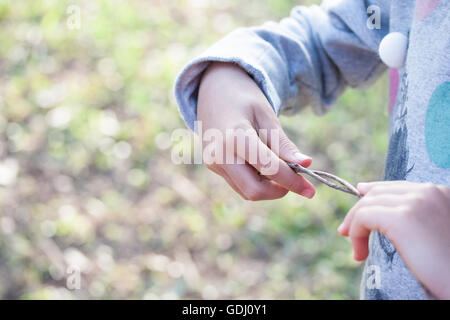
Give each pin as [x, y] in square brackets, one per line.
[288, 151]
[272, 134]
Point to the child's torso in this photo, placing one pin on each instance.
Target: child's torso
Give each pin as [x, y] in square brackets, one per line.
[419, 144]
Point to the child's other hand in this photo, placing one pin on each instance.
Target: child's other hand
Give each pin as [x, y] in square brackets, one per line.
[415, 217]
[230, 102]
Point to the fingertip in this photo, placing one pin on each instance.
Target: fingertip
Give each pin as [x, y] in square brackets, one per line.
[306, 188]
[360, 248]
[363, 187]
[357, 256]
[361, 184]
[306, 163]
[342, 230]
[308, 193]
[302, 159]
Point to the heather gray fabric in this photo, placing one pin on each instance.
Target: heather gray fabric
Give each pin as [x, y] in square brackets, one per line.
[309, 58]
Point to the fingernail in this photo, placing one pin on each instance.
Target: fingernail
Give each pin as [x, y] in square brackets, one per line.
[362, 186]
[309, 193]
[300, 157]
[341, 226]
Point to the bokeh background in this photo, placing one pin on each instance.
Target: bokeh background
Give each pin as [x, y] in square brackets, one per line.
[86, 179]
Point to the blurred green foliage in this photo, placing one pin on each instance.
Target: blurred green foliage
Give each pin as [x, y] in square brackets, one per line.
[86, 177]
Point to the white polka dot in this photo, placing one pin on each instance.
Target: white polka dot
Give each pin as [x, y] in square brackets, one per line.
[393, 49]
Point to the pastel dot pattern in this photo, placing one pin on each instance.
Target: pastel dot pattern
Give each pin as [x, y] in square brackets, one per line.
[425, 7]
[437, 126]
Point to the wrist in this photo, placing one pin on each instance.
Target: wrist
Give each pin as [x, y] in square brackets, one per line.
[224, 85]
[217, 71]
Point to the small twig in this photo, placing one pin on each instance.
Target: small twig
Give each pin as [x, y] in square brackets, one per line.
[318, 175]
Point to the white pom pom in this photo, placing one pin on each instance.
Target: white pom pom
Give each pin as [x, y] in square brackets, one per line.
[393, 49]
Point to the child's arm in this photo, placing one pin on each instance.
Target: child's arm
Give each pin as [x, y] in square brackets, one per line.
[415, 217]
[306, 59]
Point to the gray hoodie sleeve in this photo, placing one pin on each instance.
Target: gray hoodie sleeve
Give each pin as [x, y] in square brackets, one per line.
[306, 59]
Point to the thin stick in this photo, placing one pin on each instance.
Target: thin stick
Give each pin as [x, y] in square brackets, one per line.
[318, 175]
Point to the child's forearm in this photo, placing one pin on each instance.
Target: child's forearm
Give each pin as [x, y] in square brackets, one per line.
[306, 59]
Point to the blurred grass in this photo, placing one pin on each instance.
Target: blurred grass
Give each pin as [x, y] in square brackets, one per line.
[85, 176]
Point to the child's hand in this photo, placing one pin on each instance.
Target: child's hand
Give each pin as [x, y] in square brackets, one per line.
[231, 102]
[415, 217]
